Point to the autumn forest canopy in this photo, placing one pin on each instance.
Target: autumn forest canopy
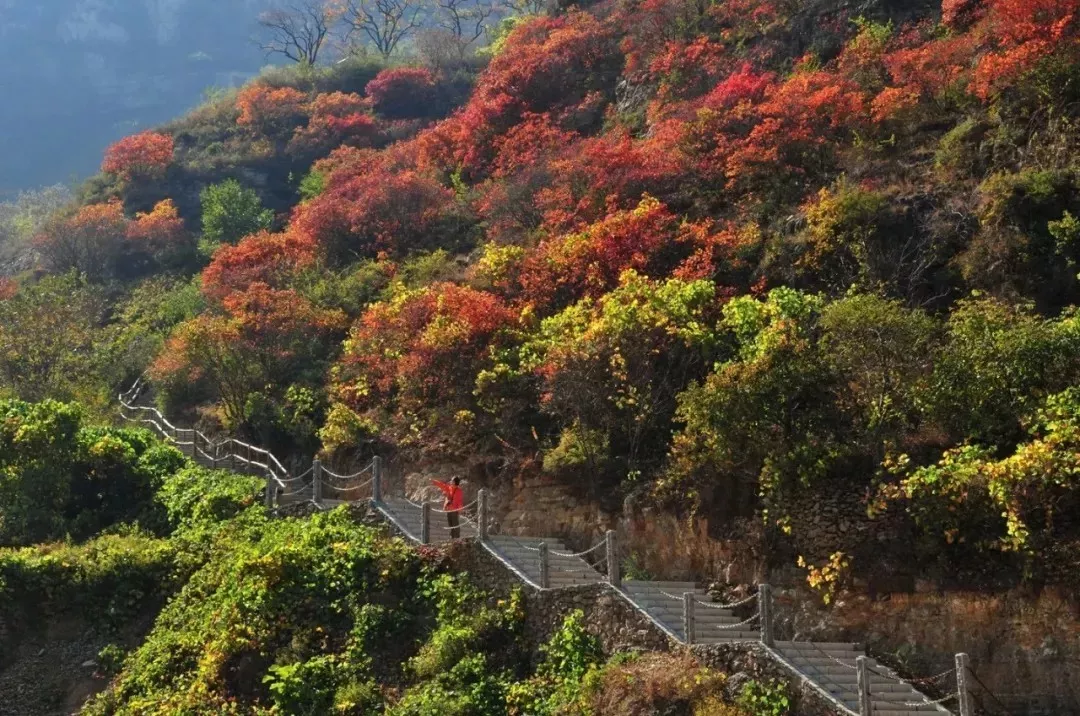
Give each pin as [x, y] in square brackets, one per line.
[716, 258]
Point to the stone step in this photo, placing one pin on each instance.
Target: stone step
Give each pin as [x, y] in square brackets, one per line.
[527, 545]
[711, 620]
[735, 636]
[659, 597]
[530, 556]
[637, 585]
[564, 578]
[832, 647]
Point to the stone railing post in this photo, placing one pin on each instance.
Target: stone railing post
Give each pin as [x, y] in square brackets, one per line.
[962, 691]
[614, 579]
[862, 666]
[545, 580]
[376, 479]
[482, 515]
[316, 481]
[425, 523]
[765, 613]
[270, 488]
[688, 616]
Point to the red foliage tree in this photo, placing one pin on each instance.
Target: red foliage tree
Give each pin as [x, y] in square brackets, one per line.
[686, 69]
[519, 172]
[8, 288]
[337, 118]
[1022, 32]
[790, 129]
[145, 154]
[547, 65]
[380, 209]
[415, 358]
[272, 111]
[602, 174]
[266, 258]
[403, 92]
[649, 239]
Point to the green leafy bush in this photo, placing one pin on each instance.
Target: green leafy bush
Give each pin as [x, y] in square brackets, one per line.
[59, 476]
[765, 698]
[230, 212]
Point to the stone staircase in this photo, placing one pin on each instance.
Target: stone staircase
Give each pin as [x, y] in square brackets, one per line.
[407, 517]
[833, 668]
[522, 556]
[829, 668]
[837, 671]
[712, 623]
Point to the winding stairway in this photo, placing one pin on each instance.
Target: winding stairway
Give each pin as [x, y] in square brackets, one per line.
[831, 669]
[840, 673]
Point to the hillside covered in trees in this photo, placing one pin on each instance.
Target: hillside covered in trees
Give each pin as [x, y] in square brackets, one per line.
[719, 259]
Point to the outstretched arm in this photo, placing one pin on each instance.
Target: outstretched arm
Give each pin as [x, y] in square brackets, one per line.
[446, 489]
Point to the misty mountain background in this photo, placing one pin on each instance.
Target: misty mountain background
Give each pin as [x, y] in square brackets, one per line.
[76, 75]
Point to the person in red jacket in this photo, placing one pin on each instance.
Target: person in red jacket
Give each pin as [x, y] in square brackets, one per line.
[455, 500]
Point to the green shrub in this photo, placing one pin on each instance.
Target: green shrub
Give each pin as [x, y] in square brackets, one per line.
[110, 578]
[768, 698]
[59, 476]
[230, 212]
[195, 497]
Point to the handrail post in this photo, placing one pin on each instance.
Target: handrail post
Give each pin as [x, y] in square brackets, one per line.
[269, 490]
[482, 515]
[316, 481]
[376, 479]
[545, 581]
[688, 616]
[765, 613]
[614, 578]
[425, 523]
[862, 666]
[962, 692]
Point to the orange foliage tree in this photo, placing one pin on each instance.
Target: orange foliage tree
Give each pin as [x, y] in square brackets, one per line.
[271, 259]
[161, 234]
[413, 360]
[272, 111]
[146, 154]
[262, 341]
[92, 241]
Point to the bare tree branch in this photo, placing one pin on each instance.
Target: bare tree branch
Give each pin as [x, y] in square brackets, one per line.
[299, 30]
[385, 23]
[464, 20]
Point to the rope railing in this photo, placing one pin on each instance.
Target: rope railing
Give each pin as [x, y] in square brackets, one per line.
[590, 550]
[234, 453]
[752, 618]
[330, 473]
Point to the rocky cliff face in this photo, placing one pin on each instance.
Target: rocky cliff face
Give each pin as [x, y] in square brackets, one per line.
[78, 74]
